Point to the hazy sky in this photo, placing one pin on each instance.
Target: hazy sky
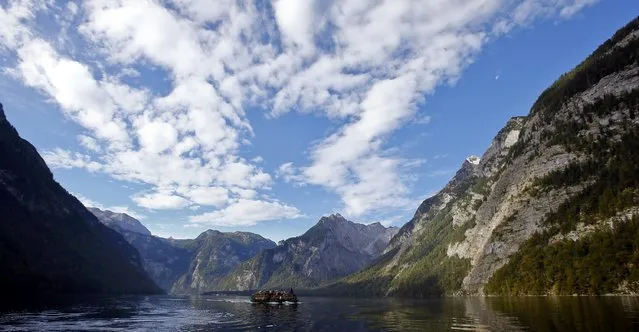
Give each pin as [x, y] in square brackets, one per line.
[264, 115]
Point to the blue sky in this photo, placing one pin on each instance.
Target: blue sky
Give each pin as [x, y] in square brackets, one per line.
[263, 116]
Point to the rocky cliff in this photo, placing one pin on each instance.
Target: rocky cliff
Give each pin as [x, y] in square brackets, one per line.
[162, 259]
[331, 249]
[555, 183]
[119, 221]
[49, 242]
[214, 255]
[186, 266]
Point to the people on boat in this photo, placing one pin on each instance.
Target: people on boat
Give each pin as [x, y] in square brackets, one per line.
[279, 295]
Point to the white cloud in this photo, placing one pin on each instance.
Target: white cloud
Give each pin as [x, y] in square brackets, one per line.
[72, 7]
[575, 7]
[90, 143]
[59, 158]
[365, 64]
[288, 173]
[425, 119]
[164, 200]
[157, 137]
[87, 202]
[295, 20]
[207, 196]
[245, 212]
[126, 210]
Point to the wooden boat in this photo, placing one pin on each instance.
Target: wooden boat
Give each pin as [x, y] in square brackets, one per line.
[274, 296]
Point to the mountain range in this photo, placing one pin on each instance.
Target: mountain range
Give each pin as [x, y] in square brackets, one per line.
[551, 207]
[330, 250]
[333, 248]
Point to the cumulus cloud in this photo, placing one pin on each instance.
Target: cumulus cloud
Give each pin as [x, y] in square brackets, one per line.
[245, 212]
[89, 142]
[118, 208]
[161, 200]
[365, 64]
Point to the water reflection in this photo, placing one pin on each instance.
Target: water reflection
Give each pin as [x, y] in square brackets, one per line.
[571, 313]
[212, 313]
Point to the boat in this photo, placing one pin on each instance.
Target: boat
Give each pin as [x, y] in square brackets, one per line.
[274, 296]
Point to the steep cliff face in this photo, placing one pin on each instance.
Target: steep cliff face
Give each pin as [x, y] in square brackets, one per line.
[539, 179]
[49, 242]
[214, 255]
[331, 249]
[186, 266]
[119, 221]
[162, 259]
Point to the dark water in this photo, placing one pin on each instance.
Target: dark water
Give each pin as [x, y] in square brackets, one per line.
[217, 313]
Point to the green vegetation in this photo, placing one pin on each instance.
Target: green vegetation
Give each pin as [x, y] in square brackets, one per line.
[595, 264]
[604, 138]
[602, 62]
[598, 263]
[424, 278]
[428, 272]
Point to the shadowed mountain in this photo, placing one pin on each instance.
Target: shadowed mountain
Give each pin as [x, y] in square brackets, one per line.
[186, 266]
[49, 242]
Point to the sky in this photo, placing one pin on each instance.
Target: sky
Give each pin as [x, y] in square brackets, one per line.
[262, 116]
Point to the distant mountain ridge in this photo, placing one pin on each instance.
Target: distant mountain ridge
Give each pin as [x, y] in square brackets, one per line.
[186, 266]
[214, 255]
[119, 220]
[49, 242]
[333, 248]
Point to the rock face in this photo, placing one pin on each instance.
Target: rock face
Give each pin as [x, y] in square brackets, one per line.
[565, 165]
[186, 266]
[214, 255]
[49, 242]
[333, 248]
[120, 220]
[163, 259]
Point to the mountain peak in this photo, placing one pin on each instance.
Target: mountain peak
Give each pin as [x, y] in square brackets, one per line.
[473, 160]
[332, 219]
[332, 249]
[119, 220]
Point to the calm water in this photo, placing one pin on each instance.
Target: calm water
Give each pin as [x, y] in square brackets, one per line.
[221, 313]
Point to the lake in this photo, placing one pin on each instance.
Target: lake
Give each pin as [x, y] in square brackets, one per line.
[222, 313]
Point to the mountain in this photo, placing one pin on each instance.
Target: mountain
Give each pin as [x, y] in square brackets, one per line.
[49, 242]
[162, 259]
[552, 207]
[122, 221]
[186, 266]
[214, 255]
[333, 248]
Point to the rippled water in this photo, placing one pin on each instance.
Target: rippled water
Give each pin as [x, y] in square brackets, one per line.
[220, 313]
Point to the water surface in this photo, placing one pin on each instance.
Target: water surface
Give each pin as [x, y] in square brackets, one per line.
[227, 313]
